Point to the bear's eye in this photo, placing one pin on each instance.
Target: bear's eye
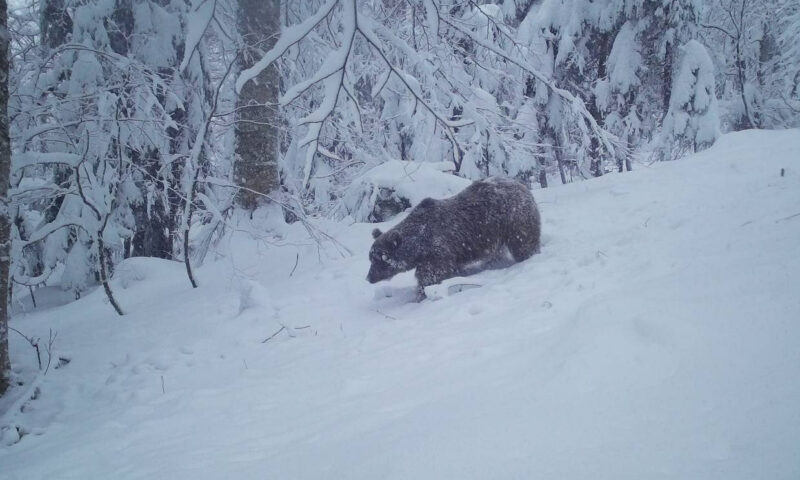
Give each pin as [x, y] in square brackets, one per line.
[385, 258]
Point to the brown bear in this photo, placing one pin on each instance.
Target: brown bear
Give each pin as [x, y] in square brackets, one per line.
[440, 238]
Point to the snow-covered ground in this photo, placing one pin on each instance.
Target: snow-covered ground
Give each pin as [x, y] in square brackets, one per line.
[657, 335]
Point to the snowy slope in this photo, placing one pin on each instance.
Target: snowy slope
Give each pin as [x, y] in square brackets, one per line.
[656, 336]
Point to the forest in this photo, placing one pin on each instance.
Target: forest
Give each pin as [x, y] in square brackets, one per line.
[183, 130]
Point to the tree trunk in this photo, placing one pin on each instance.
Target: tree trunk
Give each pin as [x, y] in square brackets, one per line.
[5, 225]
[102, 259]
[742, 81]
[596, 159]
[256, 159]
[56, 24]
[602, 49]
[559, 154]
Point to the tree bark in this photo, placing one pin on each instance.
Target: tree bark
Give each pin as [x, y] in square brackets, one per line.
[56, 24]
[188, 213]
[101, 258]
[5, 224]
[256, 159]
[152, 217]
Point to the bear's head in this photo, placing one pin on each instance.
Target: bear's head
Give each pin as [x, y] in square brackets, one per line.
[385, 256]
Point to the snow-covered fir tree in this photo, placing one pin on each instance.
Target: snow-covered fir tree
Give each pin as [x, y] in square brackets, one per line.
[692, 121]
[103, 121]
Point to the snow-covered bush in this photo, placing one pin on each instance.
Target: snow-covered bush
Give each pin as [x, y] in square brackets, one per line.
[413, 81]
[103, 126]
[692, 122]
[388, 189]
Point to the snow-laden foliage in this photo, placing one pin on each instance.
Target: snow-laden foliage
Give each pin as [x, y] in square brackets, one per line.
[619, 56]
[376, 195]
[754, 45]
[102, 127]
[122, 112]
[692, 122]
[413, 81]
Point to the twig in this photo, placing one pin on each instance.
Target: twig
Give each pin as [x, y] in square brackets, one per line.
[296, 260]
[50, 341]
[33, 297]
[288, 329]
[274, 334]
[193, 161]
[787, 218]
[34, 343]
[385, 315]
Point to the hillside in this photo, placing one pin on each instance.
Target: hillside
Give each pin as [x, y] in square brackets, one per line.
[655, 336]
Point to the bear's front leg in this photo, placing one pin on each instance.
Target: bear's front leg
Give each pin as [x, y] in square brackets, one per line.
[433, 273]
[420, 294]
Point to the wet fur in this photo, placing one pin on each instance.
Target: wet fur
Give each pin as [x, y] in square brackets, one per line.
[441, 238]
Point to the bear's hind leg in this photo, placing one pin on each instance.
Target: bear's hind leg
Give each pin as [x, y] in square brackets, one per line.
[522, 246]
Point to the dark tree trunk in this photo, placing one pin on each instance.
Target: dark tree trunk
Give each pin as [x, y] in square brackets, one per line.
[666, 71]
[559, 154]
[256, 158]
[151, 238]
[542, 172]
[5, 224]
[602, 48]
[741, 80]
[156, 216]
[152, 235]
[55, 28]
[56, 24]
[103, 262]
[596, 159]
[153, 226]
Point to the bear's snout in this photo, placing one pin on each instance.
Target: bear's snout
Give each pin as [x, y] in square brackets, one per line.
[372, 276]
[378, 272]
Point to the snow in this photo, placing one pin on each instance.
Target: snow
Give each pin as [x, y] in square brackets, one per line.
[693, 114]
[412, 181]
[289, 36]
[624, 60]
[655, 336]
[200, 17]
[29, 159]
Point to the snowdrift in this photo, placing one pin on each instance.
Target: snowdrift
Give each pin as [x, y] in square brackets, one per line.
[655, 336]
[388, 189]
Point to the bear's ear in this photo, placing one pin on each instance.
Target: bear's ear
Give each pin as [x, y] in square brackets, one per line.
[376, 233]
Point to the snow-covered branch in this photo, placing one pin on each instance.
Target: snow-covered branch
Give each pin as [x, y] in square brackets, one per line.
[570, 99]
[288, 38]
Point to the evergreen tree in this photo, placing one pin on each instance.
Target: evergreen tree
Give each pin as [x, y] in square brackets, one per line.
[692, 121]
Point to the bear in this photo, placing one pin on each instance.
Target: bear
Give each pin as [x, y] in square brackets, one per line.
[441, 238]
